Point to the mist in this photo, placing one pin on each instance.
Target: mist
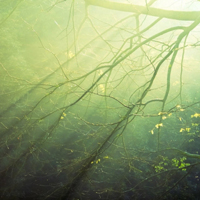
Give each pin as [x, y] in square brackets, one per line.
[99, 99]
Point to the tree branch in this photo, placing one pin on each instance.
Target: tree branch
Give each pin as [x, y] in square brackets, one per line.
[170, 14]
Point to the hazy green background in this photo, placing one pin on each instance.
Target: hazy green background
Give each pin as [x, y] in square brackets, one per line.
[55, 116]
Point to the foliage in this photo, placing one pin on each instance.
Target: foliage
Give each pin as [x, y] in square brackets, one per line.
[99, 103]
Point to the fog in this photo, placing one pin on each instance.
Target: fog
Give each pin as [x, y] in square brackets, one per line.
[99, 102]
